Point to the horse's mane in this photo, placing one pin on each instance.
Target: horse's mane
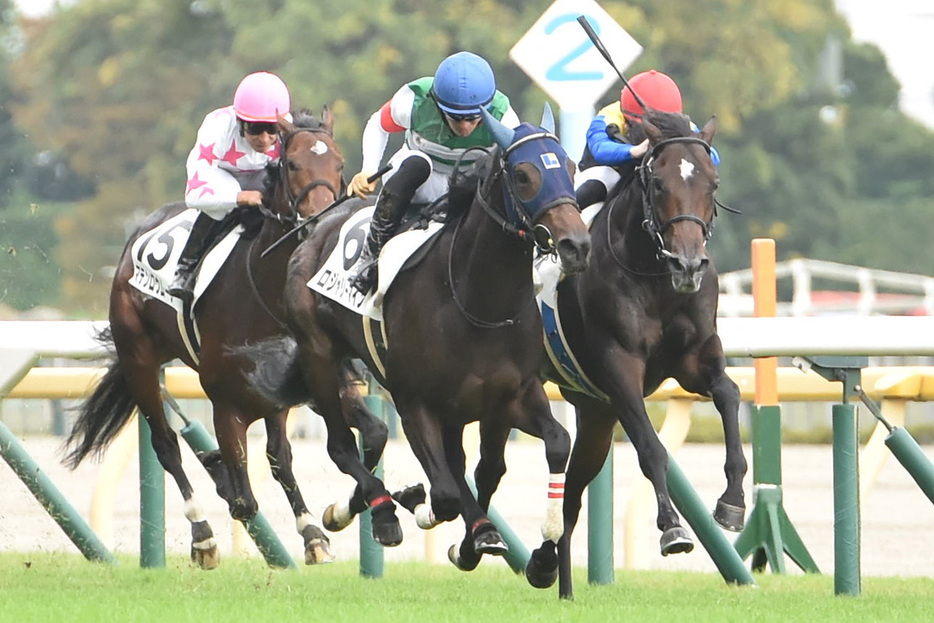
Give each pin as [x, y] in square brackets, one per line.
[670, 124]
[462, 187]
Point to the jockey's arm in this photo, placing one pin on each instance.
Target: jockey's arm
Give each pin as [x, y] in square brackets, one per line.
[604, 149]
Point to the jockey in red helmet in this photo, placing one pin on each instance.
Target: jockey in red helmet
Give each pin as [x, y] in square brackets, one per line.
[607, 147]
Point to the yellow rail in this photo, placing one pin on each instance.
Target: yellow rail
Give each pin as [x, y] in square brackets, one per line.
[914, 383]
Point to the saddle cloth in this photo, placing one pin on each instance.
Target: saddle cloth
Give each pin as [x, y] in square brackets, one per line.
[155, 256]
[561, 366]
[156, 253]
[333, 278]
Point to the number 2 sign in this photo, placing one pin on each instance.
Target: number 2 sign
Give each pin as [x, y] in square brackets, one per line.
[559, 57]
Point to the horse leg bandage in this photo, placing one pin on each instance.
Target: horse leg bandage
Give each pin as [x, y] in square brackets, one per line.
[553, 527]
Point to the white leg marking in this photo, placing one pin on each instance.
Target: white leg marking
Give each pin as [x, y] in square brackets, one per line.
[307, 519]
[424, 518]
[193, 512]
[342, 512]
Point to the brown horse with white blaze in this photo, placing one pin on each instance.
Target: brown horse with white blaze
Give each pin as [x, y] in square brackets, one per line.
[243, 304]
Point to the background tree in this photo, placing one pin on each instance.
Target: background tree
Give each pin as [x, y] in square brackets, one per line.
[111, 92]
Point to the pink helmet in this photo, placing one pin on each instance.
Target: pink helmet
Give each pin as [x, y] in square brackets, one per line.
[261, 96]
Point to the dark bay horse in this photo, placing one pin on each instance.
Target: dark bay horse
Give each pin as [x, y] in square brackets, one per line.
[243, 304]
[646, 310]
[463, 337]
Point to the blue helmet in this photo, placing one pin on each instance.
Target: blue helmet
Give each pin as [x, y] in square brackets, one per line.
[463, 84]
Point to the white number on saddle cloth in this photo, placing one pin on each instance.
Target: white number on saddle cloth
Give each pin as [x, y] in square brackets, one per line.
[333, 279]
[156, 252]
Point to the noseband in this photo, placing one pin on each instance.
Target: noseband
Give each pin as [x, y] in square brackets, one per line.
[650, 219]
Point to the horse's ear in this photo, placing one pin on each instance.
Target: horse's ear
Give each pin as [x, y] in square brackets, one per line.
[285, 126]
[709, 129]
[548, 119]
[651, 132]
[501, 134]
[327, 118]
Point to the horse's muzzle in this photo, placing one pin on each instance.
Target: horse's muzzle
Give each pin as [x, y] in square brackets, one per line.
[687, 273]
[574, 251]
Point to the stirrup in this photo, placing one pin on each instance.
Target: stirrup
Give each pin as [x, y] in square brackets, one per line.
[183, 288]
[365, 279]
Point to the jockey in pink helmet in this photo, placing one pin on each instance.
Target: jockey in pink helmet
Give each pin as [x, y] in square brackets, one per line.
[226, 167]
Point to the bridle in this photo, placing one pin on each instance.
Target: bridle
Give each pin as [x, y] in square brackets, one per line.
[650, 222]
[293, 217]
[518, 220]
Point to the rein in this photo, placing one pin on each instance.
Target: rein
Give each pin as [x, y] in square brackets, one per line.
[484, 189]
[292, 219]
[474, 320]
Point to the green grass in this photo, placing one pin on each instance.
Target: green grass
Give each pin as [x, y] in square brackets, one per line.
[37, 587]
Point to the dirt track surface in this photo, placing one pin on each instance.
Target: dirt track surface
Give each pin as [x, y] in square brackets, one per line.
[897, 519]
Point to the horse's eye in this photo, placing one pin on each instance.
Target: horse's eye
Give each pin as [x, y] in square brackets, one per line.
[528, 180]
[657, 185]
[292, 166]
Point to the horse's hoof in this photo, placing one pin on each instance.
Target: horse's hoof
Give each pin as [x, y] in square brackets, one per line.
[317, 546]
[676, 541]
[318, 552]
[729, 516]
[464, 564]
[490, 542]
[207, 558]
[410, 497]
[332, 521]
[387, 531]
[542, 570]
[387, 535]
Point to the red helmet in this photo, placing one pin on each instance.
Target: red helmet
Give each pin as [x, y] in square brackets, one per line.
[656, 89]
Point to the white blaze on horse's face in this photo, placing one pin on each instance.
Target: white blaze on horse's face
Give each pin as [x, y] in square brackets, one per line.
[687, 169]
[320, 147]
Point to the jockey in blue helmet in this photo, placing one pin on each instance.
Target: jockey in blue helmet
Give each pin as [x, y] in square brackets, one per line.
[440, 116]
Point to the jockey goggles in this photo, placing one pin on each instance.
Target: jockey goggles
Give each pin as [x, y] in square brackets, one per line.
[255, 128]
[457, 118]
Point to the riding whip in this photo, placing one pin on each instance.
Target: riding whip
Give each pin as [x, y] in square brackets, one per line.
[314, 218]
[582, 20]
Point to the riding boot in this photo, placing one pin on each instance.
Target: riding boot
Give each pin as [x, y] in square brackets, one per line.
[397, 192]
[386, 218]
[199, 238]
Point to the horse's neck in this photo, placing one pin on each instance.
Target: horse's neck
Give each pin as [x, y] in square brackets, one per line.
[491, 268]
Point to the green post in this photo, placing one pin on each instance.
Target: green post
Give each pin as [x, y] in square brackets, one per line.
[913, 459]
[151, 501]
[600, 524]
[695, 513]
[845, 501]
[769, 533]
[51, 498]
[371, 552]
[518, 555]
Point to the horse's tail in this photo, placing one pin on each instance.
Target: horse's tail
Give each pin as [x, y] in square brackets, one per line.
[102, 415]
[276, 373]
